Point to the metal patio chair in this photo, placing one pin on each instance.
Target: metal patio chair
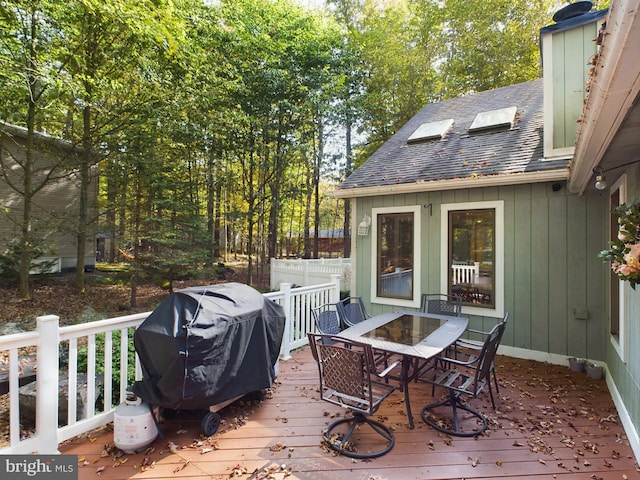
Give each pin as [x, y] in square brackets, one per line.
[468, 350]
[351, 311]
[326, 319]
[348, 378]
[441, 304]
[462, 378]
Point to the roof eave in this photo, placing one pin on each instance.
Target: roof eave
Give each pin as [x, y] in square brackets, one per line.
[454, 184]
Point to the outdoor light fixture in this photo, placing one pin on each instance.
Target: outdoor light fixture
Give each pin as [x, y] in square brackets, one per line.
[363, 227]
[601, 181]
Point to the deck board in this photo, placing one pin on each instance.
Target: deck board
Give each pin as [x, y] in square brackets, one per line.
[550, 423]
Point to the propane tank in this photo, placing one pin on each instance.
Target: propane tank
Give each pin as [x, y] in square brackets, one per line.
[134, 426]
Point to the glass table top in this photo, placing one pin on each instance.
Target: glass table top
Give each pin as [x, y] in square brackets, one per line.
[407, 329]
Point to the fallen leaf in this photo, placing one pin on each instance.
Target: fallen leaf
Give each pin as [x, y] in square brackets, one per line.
[181, 466]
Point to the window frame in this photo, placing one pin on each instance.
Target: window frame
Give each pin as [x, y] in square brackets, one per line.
[414, 301]
[498, 207]
[618, 341]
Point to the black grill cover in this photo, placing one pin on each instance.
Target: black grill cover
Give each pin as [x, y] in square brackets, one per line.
[205, 345]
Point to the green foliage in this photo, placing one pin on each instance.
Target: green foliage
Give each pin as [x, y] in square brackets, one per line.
[212, 118]
[10, 263]
[624, 250]
[83, 357]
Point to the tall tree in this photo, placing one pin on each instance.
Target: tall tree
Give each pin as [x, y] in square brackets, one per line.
[105, 74]
[25, 83]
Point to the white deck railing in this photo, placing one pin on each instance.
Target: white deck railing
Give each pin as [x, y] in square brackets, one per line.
[465, 273]
[49, 340]
[306, 272]
[397, 283]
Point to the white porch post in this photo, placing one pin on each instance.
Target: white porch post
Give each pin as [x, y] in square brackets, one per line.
[47, 384]
[335, 293]
[285, 350]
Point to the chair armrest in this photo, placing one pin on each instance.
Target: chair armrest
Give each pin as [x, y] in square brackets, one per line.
[464, 343]
[479, 332]
[445, 359]
[387, 370]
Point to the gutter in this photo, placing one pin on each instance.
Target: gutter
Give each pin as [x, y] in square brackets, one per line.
[615, 85]
[560, 174]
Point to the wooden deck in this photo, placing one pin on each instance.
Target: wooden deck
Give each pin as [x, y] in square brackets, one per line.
[551, 423]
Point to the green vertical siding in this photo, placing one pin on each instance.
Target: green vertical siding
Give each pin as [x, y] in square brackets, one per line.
[626, 376]
[572, 50]
[551, 245]
[540, 235]
[551, 270]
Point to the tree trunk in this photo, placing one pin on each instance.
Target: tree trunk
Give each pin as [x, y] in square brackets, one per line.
[112, 188]
[25, 240]
[347, 203]
[211, 224]
[137, 219]
[316, 186]
[85, 180]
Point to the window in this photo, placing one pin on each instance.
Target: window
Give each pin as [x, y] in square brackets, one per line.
[494, 119]
[472, 257]
[396, 256]
[617, 301]
[432, 130]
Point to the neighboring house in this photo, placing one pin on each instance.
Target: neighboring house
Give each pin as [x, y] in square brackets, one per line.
[330, 242]
[55, 205]
[491, 196]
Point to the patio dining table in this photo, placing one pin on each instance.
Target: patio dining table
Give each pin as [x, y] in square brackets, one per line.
[412, 335]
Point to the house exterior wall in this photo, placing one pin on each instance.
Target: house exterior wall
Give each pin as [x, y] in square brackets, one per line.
[55, 206]
[625, 372]
[552, 274]
[567, 58]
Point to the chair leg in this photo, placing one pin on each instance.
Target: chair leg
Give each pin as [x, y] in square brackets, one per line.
[495, 380]
[493, 403]
[342, 444]
[454, 402]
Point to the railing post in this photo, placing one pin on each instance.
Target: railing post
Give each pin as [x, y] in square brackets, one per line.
[285, 350]
[335, 293]
[47, 384]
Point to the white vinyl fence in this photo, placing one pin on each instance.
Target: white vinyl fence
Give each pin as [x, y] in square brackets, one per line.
[305, 272]
[96, 361]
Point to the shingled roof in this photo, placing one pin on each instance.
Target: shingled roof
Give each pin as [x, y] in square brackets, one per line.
[462, 159]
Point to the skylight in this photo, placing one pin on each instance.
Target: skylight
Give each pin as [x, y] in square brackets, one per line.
[431, 130]
[494, 119]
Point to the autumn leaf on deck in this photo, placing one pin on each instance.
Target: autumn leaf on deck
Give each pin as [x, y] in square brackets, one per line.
[181, 466]
[277, 447]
